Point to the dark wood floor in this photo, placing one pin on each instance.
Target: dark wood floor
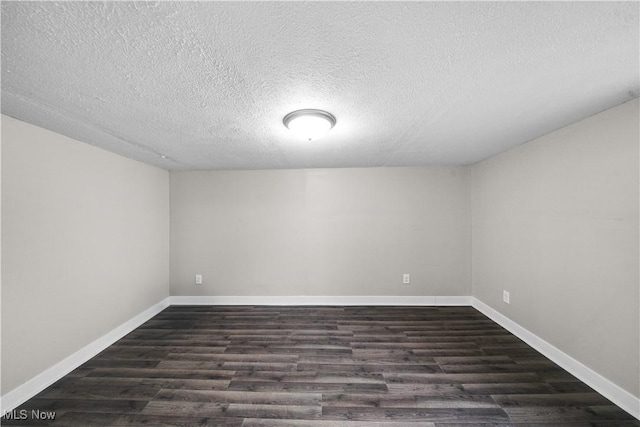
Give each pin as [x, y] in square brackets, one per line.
[321, 366]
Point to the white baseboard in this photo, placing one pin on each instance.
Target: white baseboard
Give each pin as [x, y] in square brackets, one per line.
[322, 300]
[26, 391]
[611, 391]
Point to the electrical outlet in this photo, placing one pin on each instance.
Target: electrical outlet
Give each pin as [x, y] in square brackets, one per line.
[505, 297]
[198, 279]
[406, 278]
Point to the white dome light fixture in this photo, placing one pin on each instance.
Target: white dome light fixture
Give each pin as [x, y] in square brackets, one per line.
[309, 124]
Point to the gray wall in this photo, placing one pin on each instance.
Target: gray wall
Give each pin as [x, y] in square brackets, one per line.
[85, 246]
[0, 263]
[555, 222]
[330, 232]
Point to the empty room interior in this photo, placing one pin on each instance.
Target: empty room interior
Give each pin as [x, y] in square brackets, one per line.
[344, 214]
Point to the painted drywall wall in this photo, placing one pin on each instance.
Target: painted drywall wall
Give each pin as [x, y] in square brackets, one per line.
[321, 232]
[85, 246]
[555, 223]
[0, 260]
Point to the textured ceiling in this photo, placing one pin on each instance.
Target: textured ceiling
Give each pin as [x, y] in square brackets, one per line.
[206, 84]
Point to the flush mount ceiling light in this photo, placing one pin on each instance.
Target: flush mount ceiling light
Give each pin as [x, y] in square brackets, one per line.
[309, 124]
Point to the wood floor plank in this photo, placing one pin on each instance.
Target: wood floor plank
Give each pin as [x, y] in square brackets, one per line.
[204, 374]
[551, 400]
[183, 408]
[501, 367]
[263, 422]
[229, 357]
[186, 384]
[321, 366]
[540, 414]
[228, 397]
[273, 411]
[369, 367]
[472, 360]
[110, 419]
[407, 400]
[226, 366]
[309, 387]
[485, 378]
[103, 391]
[474, 415]
[59, 405]
[510, 388]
